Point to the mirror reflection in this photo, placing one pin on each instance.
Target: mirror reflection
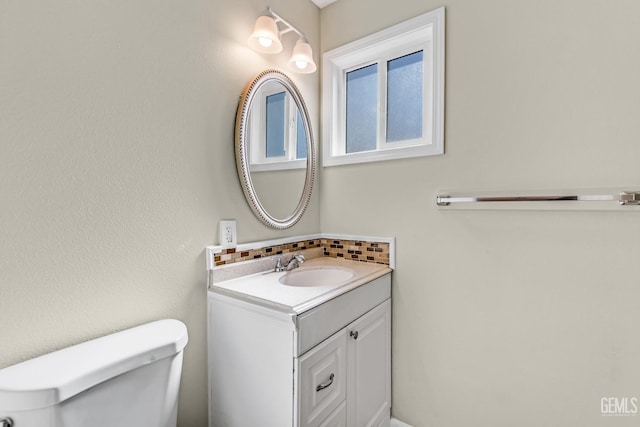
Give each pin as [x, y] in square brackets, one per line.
[277, 138]
[279, 191]
[277, 147]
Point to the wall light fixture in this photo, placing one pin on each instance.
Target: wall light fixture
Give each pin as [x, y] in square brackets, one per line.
[267, 38]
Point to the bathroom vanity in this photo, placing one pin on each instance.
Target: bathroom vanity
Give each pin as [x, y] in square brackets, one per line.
[308, 347]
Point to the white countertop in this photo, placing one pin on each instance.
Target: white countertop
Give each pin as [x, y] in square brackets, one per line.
[265, 289]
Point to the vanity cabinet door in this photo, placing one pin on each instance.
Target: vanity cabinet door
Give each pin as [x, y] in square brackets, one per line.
[322, 381]
[369, 368]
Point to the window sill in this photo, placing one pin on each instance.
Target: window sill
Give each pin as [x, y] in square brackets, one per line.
[381, 155]
[278, 166]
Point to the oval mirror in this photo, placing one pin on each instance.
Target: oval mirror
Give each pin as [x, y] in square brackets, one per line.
[275, 153]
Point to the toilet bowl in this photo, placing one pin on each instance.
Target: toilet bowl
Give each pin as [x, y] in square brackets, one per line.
[130, 378]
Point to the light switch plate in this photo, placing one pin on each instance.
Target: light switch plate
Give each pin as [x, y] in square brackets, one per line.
[228, 234]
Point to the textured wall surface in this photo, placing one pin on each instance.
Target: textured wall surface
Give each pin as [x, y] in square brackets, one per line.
[117, 162]
[505, 318]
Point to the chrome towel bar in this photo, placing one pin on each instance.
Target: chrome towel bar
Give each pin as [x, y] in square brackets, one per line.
[623, 198]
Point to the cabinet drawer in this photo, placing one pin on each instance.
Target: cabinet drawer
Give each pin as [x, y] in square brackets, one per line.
[338, 418]
[322, 380]
[315, 325]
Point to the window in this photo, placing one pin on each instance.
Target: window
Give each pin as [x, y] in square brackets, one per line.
[383, 95]
[361, 114]
[275, 126]
[277, 136]
[404, 109]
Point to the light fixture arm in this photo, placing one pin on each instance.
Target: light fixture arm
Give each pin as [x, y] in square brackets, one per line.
[288, 25]
[267, 38]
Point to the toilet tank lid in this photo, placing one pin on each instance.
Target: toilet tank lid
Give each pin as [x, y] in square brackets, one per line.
[55, 377]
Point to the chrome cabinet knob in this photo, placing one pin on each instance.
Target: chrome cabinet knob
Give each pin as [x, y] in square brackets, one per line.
[354, 334]
[6, 422]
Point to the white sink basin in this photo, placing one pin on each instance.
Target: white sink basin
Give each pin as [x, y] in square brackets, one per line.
[309, 277]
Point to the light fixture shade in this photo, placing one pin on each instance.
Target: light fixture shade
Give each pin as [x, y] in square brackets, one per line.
[302, 58]
[266, 36]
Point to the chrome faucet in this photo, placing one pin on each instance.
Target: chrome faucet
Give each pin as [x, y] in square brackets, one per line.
[294, 262]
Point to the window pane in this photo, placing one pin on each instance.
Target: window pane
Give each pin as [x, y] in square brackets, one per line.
[275, 125]
[362, 105]
[404, 97]
[301, 138]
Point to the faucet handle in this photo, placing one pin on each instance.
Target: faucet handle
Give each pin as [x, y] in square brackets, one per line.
[279, 266]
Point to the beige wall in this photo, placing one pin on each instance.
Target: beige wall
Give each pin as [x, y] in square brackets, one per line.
[116, 155]
[117, 162]
[505, 318]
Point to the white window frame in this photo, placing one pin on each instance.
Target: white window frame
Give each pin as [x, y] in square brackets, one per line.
[257, 123]
[424, 32]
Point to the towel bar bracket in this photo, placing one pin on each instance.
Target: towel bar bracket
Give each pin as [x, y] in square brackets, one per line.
[630, 198]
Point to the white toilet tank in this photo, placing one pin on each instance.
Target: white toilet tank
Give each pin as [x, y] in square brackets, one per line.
[130, 378]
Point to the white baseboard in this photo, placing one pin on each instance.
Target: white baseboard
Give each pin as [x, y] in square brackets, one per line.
[397, 423]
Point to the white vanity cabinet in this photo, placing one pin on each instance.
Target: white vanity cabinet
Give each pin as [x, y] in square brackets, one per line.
[352, 367]
[326, 367]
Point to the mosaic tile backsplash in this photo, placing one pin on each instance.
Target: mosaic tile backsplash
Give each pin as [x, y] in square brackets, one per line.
[355, 250]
